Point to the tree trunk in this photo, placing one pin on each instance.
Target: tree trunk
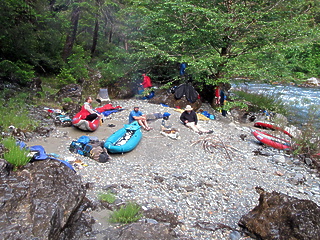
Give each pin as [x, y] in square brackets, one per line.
[71, 36]
[95, 37]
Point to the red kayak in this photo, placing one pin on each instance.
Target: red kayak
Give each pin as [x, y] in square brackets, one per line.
[267, 125]
[272, 141]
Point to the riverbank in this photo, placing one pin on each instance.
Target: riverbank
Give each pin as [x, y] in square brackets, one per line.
[180, 176]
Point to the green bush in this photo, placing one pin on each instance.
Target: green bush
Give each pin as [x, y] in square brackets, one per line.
[67, 100]
[126, 214]
[78, 63]
[16, 71]
[16, 112]
[269, 102]
[15, 155]
[308, 142]
[107, 197]
[65, 77]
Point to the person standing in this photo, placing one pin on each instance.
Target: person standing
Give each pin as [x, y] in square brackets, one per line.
[141, 118]
[190, 119]
[146, 83]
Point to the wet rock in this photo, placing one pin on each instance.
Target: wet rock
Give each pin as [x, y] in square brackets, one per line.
[297, 179]
[44, 131]
[35, 85]
[279, 216]
[72, 108]
[235, 235]
[311, 82]
[42, 201]
[72, 91]
[162, 216]
[146, 231]
[278, 158]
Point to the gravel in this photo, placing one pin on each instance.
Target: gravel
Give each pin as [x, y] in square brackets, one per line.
[181, 176]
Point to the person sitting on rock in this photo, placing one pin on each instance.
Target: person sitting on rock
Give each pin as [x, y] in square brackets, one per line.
[141, 118]
[189, 118]
[88, 112]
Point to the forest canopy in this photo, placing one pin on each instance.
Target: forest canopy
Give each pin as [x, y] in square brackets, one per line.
[220, 40]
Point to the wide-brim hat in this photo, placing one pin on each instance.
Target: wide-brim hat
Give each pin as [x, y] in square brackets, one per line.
[188, 108]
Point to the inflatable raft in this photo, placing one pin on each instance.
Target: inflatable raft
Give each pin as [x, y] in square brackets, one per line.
[272, 141]
[79, 122]
[125, 139]
[267, 125]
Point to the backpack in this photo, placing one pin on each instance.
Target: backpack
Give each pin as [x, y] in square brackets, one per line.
[99, 154]
[104, 157]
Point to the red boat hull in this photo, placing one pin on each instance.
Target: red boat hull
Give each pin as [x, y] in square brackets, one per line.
[85, 125]
[272, 141]
[272, 127]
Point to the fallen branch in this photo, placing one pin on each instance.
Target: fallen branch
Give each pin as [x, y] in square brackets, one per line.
[208, 143]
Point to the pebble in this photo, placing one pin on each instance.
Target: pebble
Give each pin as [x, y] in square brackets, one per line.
[180, 176]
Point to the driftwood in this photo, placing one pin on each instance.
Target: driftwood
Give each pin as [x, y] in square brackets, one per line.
[208, 143]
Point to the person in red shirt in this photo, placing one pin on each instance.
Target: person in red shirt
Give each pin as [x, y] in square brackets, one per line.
[146, 83]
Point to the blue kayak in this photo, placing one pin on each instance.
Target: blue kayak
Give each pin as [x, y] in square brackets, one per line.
[125, 139]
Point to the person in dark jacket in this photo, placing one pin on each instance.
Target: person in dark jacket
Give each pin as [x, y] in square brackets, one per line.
[189, 118]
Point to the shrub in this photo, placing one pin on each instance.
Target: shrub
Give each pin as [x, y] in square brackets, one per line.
[15, 155]
[107, 197]
[269, 102]
[67, 100]
[308, 142]
[16, 71]
[78, 62]
[126, 214]
[65, 77]
[16, 112]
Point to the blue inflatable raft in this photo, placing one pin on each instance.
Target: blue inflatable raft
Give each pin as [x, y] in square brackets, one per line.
[125, 139]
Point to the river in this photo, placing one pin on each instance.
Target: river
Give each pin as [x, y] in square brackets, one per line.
[303, 103]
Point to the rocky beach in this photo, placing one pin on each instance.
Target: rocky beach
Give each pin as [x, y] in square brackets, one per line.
[206, 180]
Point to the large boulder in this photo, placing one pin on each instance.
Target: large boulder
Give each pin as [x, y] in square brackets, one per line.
[122, 89]
[279, 216]
[71, 91]
[44, 200]
[313, 82]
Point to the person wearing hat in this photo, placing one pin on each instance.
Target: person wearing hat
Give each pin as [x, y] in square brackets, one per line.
[189, 118]
[138, 116]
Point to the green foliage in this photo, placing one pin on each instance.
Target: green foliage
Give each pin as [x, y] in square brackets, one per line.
[211, 35]
[15, 155]
[265, 40]
[78, 63]
[18, 72]
[307, 143]
[15, 110]
[65, 77]
[126, 214]
[234, 104]
[107, 197]
[269, 102]
[67, 100]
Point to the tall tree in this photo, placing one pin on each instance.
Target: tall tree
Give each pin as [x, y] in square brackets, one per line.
[211, 35]
[72, 33]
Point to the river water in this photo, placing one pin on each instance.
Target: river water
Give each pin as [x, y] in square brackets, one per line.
[303, 103]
